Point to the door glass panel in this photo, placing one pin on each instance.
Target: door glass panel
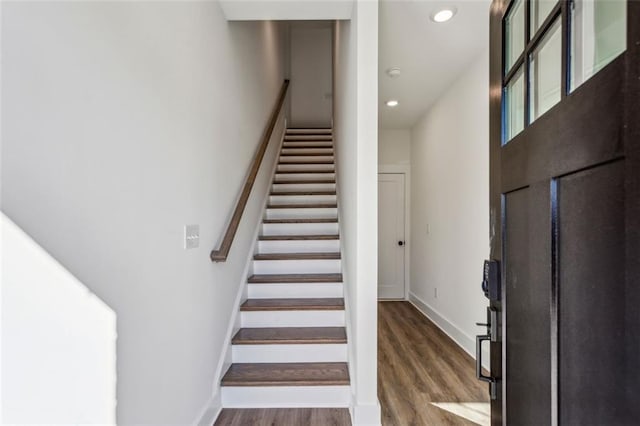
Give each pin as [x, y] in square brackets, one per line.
[599, 30]
[546, 72]
[540, 9]
[514, 32]
[514, 105]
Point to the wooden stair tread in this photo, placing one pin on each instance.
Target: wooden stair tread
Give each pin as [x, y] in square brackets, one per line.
[301, 220]
[290, 336]
[315, 304]
[287, 374]
[298, 237]
[303, 206]
[305, 163]
[296, 278]
[301, 172]
[297, 256]
[303, 182]
[314, 192]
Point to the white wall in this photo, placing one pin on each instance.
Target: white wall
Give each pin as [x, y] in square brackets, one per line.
[58, 340]
[394, 146]
[311, 84]
[450, 205]
[355, 124]
[122, 122]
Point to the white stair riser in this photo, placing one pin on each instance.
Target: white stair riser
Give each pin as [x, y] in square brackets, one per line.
[285, 396]
[303, 213]
[311, 131]
[299, 246]
[314, 137]
[303, 291]
[315, 144]
[292, 319]
[316, 228]
[303, 168]
[289, 353]
[302, 199]
[304, 158]
[304, 176]
[296, 266]
[294, 187]
[303, 151]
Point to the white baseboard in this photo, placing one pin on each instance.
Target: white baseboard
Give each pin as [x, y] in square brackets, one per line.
[466, 342]
[210, 411]
[366, 415]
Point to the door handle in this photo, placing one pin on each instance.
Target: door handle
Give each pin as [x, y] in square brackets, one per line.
[400, 243]
[479, 375]
[493, 390]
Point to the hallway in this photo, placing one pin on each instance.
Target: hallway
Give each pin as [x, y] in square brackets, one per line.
[419, 365]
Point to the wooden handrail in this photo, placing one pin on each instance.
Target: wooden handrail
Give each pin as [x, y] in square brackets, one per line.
[220, 255]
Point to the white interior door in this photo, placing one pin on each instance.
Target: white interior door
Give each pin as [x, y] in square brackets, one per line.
[391, 243]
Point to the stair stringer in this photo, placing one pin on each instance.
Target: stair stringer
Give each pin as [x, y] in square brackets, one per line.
[241, 294]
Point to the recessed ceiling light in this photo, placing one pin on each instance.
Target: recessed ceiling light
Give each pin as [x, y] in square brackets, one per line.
[443, 15]
[393, 72]
[392, 103]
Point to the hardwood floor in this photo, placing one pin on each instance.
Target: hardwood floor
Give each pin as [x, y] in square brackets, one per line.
[417, 365]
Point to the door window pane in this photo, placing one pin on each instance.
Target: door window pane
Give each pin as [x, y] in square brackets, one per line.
[514, 31]
[599, 30]
[546, 73]
[540, 9]
[514, 105]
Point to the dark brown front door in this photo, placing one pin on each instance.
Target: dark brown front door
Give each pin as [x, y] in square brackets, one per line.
[565, 211]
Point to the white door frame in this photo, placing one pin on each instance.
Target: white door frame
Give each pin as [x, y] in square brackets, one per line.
[406, 171]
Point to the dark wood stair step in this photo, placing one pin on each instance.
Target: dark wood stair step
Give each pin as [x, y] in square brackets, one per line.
[296, 278]
[287, 374]
[314, 192]
[297, 256]
[300, 220]
[305, 163]
[303, 206]
[298, 237]
[333, 304]
[290, 336]
[303, 182]
[299, 172]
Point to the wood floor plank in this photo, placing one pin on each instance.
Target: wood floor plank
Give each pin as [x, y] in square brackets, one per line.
[295, 278]
[287, 374]
[284, 417]
[311, 304]
[290, 336]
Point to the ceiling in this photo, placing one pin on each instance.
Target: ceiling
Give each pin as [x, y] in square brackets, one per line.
[431, 56]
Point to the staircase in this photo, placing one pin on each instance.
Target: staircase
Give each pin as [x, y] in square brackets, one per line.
[292, 348]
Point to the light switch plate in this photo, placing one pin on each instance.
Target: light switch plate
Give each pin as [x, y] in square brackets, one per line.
[191, 236]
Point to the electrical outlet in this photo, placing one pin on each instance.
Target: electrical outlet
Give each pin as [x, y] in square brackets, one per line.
[191, 236]
[435, 293]
[428, 229]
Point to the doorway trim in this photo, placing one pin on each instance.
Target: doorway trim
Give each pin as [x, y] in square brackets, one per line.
[405, 170]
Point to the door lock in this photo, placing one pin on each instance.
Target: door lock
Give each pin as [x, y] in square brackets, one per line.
[400, 243]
